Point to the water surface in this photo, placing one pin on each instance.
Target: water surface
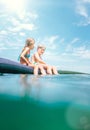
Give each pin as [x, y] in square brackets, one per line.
[45, 102]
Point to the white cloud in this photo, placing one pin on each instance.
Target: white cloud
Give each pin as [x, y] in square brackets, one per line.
[82, 52]
[14, 21]
[52, 39]
[78, 48]
[15, 24]
[3, 32]
[86, 1]
[75, 40]
[51, 42]
[33, 15]
[22, 34]
[2, 15]
[83, 10]
[27, 16]
[69, 47]
[3, 48]
[20, 27]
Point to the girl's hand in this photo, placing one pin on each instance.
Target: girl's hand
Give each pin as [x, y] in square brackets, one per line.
[29, 64]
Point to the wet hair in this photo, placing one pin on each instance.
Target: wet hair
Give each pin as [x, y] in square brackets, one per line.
[41, 46]
[29, 42]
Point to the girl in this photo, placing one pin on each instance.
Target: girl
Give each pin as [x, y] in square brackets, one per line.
[25, 54]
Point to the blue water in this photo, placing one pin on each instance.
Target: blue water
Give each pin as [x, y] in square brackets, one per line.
[58, 102]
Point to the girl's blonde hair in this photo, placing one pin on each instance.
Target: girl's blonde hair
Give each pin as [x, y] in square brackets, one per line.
[29, 42]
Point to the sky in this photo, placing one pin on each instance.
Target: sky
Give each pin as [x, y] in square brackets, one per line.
[63, 26]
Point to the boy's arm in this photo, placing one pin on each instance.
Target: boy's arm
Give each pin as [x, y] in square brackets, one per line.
[39, 59]
[32, 59]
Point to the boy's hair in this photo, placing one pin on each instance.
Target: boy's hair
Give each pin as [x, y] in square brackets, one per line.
[41, 46]
[29, 42]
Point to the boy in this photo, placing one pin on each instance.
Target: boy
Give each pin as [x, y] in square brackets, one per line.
[36, 59]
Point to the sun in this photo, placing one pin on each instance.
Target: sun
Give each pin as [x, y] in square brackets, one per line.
[14, 5]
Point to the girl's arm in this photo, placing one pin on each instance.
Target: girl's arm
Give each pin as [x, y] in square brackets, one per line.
[23, 56]
[37, 57]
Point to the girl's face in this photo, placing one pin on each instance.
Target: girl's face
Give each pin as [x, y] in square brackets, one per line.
[32, 44]
[31, 47]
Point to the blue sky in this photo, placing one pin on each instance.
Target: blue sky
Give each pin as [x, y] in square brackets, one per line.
[63, 26]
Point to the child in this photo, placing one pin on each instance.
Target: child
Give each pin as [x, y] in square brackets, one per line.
[25, 54]
[36, 59]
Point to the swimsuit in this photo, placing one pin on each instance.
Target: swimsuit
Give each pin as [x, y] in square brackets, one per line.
[35, 63]
[26, 56]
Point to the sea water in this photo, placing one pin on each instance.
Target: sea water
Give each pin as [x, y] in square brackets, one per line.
[29, 102]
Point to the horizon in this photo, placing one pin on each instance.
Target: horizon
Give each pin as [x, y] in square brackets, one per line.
[63, 26]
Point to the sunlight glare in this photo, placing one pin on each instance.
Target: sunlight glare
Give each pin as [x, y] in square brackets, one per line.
[14, 5]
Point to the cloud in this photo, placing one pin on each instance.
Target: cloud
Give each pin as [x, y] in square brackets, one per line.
[75, 40]
[51, 42]
[20, 27]
[15, 27]
[33, 15]
[52, 39]
[22, 22]
[69, 47]
[3, 48]
[22, 34]
[28, 16]
[82, 52]
[3, 32]
[83, 10]
[18, 23]
[75, 48]
[78, 48]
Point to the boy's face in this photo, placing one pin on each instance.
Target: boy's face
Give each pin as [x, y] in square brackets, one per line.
[41, 51]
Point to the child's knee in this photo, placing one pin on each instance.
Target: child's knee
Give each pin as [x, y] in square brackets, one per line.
[53, 67]
[41, 67]
[36, 67]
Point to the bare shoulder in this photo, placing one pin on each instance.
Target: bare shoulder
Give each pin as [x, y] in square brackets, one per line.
[36, 54]
[26, 48]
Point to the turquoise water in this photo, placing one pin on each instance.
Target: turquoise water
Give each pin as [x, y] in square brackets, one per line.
[45, 102]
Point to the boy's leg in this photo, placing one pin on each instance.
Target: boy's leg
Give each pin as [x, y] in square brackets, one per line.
[48, 69]
[54, 70]
[42, 70]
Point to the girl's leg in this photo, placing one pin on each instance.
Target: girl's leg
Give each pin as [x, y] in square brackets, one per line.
[36, 70]
[33, 66]
[42, 70]
[23, 63]
[54, 70]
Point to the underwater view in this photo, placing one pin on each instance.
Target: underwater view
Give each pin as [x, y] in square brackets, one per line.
[49, 36]
[29, 102]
